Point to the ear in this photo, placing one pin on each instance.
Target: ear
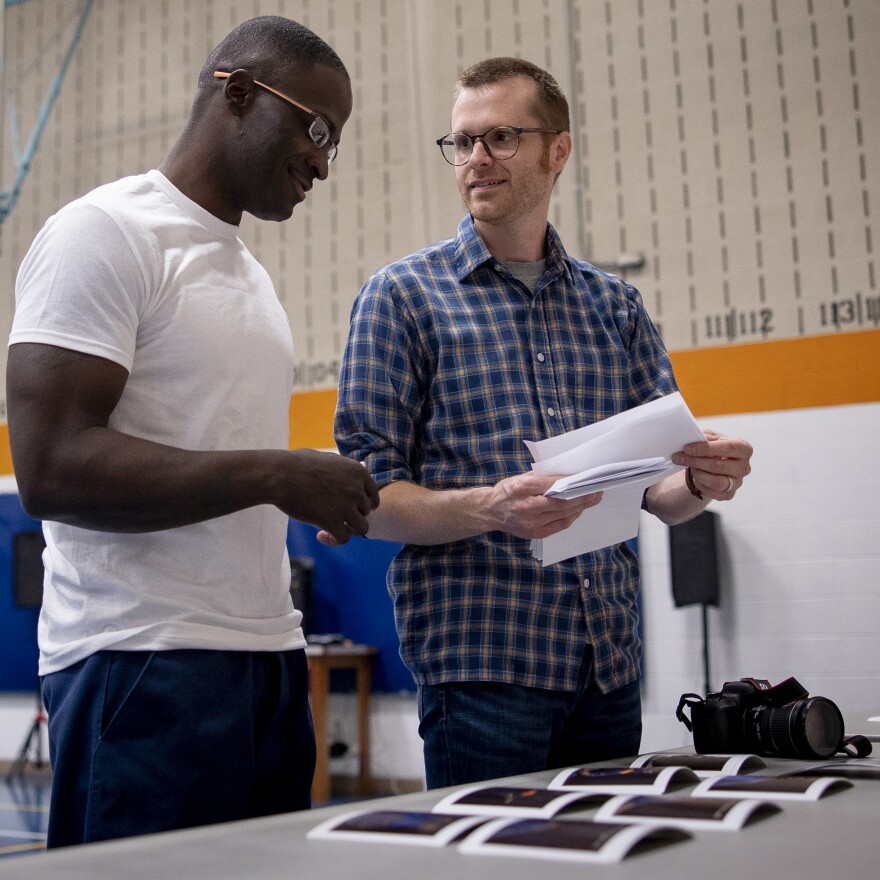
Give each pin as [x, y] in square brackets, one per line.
[238, 91]
[561, 151]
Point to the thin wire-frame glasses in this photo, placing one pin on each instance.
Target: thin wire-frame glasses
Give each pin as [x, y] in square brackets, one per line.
[319, 130]
[500, 143]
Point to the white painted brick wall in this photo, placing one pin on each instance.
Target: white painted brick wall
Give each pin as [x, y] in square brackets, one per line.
[800, 577]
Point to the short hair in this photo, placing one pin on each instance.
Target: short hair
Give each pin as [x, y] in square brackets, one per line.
[550, 105]
[261, 45]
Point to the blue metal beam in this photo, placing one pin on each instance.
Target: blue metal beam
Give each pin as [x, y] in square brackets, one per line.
[8, 198]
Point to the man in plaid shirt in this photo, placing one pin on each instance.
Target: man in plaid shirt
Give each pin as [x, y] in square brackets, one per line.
[456, 355]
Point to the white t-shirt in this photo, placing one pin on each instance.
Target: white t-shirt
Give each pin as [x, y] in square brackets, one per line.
[137, 273]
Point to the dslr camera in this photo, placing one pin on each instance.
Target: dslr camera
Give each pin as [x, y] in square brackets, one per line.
[751, 717]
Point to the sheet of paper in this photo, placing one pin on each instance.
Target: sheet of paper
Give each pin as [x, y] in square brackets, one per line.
[621, 456]
[606, 476]
[658, 428]
[614, 519]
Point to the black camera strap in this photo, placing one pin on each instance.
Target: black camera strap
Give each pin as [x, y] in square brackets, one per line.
[785, 692]
[856, 746]
[689, 700]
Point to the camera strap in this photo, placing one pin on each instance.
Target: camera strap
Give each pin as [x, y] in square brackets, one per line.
[856, 746]
[689, 700]
[785, 692]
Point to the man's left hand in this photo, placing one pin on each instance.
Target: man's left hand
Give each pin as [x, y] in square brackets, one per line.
[718, 465]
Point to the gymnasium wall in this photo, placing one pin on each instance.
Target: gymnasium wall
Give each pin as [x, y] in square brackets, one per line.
[724, 143]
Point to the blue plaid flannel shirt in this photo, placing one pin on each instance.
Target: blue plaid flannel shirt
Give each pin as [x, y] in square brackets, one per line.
[450, 365]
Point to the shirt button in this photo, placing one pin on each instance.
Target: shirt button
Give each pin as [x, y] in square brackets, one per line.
[541, 356]
[551, 411]
[586, 582]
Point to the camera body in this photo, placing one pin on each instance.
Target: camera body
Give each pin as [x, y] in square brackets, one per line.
[718, 721]
[751, 716]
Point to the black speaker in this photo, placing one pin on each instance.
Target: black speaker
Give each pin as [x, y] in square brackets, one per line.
[694, 557]
[27, 564]
[302, 590]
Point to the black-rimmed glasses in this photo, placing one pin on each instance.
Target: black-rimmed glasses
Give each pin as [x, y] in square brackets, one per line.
[319, 130]
[499, 143]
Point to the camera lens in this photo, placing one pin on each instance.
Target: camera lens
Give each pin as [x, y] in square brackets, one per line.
[809, 728]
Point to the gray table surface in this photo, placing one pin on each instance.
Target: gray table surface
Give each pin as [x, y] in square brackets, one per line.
[836, 836]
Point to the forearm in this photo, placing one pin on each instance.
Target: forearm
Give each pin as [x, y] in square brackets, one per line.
[412, 514]
[671, 501]
[115, 482]
[516, 505]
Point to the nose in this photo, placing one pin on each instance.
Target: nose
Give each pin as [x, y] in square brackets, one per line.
[481, 158]
[319, 164]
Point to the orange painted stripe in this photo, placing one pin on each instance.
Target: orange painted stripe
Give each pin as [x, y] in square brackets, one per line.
[830, 370]
[5, 453]
[789, 374]
[311, 419]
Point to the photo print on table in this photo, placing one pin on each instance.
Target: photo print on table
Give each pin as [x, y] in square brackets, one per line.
[566, 839]
[689, 813]
[847, 768]
[395, 826]
[773, 788]
[497, 800]
[705, 766]
[624, 780]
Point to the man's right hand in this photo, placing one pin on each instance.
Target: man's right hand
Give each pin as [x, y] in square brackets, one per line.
[331, 492]
[517, 505]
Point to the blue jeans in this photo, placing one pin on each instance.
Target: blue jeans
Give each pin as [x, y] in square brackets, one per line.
[145, 741]
[474, 731]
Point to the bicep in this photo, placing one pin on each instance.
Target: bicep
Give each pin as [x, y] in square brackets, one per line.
[54, 395]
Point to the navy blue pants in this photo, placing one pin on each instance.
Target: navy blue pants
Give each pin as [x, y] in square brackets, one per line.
[145, 741]
[480, 730]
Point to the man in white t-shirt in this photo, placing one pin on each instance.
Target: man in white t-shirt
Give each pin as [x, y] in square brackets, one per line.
[149, 378]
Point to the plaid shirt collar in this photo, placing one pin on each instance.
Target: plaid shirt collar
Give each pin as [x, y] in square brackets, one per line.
[471, 253]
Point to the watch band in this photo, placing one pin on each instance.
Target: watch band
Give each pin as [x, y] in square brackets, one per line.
[692, 488]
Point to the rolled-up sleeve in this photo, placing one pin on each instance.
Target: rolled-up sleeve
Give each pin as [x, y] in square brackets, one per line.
[379, 403]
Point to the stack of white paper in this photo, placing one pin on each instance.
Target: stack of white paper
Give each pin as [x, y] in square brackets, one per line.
[606, 476]
[620, 456]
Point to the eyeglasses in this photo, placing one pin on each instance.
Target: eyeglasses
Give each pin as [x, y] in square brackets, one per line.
[319, 130]
[499, 143]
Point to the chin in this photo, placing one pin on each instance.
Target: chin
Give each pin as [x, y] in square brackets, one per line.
[277, 214]
[485, 214]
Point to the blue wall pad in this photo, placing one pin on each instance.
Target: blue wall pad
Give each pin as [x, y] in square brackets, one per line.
[18, 626]
[351, 598]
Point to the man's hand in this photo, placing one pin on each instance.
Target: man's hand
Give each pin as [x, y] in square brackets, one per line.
[331, 492]
[517, 505]
[718, 465]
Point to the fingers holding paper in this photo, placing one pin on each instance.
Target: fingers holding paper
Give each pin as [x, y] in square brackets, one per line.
[519, 506]
[717, 465]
